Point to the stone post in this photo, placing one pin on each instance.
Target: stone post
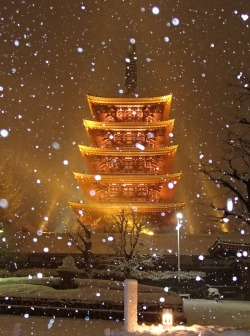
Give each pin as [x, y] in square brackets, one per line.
[130, 305]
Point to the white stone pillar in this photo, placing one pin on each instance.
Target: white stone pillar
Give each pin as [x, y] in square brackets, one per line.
[130, 305]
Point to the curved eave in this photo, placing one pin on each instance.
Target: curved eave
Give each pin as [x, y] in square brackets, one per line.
[127, 178]
[128, 100]
[85, 150]
[139, 207]
[140, 126]
[166, 100]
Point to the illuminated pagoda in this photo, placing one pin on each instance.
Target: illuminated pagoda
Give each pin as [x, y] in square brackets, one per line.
[130, 160]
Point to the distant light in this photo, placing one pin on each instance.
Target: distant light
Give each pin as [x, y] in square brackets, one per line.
[229, 204]
[139, 146]
[244, 17]
[4, 133]
[179, 215]
[4, 203]
[39, 275]
[55, 145]
[170, 185]
[65, 162]
[150, 135]
[92, 192]
[155, 10]
[175, 21]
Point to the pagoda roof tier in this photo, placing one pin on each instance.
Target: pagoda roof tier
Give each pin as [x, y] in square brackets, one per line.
[116, 207]
[86, 150]
[104, 105]
[127, 188]
[120, 179]
[127, 126]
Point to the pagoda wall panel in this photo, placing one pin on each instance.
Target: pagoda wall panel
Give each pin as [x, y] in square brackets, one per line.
[113, 192]
[160, 164]
[131, 113]
[127, 138]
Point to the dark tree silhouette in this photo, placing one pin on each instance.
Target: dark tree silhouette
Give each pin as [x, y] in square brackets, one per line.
[232, 174]
[12, 216]
[126, 230]
[81, 233]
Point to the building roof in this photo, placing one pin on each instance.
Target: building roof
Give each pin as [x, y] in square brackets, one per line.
[128, 126]
[144, 207]
[119, 179]
[128, 151]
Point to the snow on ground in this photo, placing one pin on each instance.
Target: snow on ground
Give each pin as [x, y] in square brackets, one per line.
[204, 317]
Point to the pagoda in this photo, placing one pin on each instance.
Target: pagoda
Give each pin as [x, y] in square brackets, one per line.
[130, 160]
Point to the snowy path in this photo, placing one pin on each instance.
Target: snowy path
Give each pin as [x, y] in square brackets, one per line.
[203, 312]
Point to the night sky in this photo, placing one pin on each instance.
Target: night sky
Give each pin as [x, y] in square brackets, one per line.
[54, 52]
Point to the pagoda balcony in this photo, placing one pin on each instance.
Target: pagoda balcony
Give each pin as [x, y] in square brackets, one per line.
[129, 161]
[112, 135]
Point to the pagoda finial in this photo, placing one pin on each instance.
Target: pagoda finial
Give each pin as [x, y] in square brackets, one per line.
[131, 68]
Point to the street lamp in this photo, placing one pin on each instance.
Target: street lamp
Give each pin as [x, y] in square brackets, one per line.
[178, 226]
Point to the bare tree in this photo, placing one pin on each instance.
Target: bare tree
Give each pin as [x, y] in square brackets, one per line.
[242, 87]
[81, 234]
[232, 174]
[11, 212]
[126, 237]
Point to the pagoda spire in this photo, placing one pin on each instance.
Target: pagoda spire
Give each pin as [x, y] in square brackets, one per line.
[131, 69]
